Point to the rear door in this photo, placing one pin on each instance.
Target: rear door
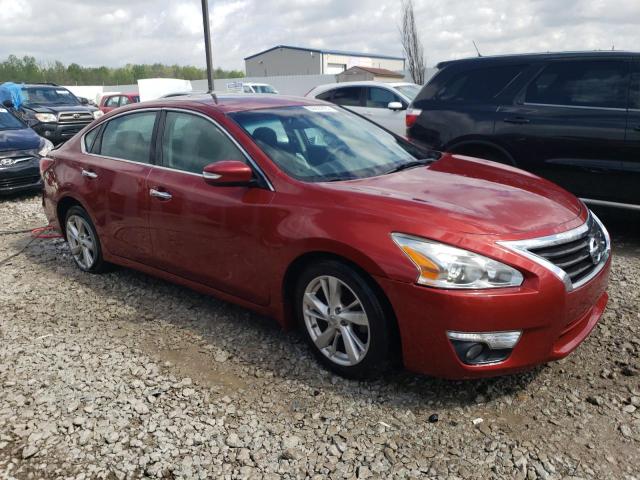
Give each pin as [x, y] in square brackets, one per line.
[348, 97]
[376, 108]
[207, 234]
[568, 125]
[113, 175]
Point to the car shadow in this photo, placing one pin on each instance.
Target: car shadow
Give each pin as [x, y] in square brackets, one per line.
[257, 343]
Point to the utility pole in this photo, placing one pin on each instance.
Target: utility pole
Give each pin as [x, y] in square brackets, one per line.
[207, 43]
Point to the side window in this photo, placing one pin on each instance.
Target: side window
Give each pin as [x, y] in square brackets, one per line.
[112, 102]
[326, 96]
[129, 137]
[247, 89]
[347, 96]
[124, 101]
[583, 84]
[190, 143]
[380, 97]
[89, 140]
[479, 85]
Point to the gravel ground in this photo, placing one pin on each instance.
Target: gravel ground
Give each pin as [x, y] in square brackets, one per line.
[126, 376]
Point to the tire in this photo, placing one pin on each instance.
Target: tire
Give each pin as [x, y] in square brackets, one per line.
[83, 241]
[486, 154]
[356, 319]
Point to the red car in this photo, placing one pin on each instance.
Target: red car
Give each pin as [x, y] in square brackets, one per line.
[381, 252]
[112, 101]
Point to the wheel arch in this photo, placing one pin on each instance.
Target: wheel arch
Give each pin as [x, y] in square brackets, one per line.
[300, 263]
[469, 145]
[63, 206]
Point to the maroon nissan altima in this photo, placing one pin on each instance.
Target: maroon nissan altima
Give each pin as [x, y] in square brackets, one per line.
[381, 252]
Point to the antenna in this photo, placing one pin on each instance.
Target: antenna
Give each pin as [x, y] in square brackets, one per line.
[207, 45]
[476, 47]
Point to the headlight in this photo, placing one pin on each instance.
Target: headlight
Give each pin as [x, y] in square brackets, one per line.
[46, 117]
[97, 114]
[443, 266]
[45, 147]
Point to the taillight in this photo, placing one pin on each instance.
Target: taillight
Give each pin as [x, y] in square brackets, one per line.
[412, 116]
[45, 164]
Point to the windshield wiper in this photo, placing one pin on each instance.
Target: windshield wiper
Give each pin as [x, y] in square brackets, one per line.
[412, 164]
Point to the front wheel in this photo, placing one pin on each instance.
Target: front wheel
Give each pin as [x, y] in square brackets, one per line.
[83, 240]
[343, 320]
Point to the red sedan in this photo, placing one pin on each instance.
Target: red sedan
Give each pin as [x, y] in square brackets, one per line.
[381, 252]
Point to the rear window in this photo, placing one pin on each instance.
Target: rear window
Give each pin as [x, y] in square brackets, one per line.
[478, 85]
[582, 84]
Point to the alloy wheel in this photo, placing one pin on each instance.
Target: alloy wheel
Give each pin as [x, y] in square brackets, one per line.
[336, 320]
[81, 241]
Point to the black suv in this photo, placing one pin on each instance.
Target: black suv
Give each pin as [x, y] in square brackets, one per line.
[573, 118]
[54, 112]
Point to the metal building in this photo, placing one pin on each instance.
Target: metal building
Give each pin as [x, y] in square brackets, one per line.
[287, 60]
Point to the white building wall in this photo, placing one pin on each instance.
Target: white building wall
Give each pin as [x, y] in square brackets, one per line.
[330, 59]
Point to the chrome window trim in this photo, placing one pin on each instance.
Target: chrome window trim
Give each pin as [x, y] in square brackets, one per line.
[579, 107]
[249, 158]
[522, 247]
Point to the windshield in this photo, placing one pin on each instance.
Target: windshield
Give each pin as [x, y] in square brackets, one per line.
[409, 91]
[48, 96]
[264, 89]
[323, 143]
[8, 121]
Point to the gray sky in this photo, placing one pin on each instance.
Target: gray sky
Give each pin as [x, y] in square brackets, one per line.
[117, 32]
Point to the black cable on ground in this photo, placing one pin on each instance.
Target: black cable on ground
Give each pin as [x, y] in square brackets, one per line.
[36, 233]
[10, 257]
[14, 232]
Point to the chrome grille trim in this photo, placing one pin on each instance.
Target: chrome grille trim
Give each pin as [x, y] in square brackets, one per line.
[70, 117]
[525, 247]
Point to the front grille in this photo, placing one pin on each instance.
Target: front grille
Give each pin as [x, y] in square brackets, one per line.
[575, 256]
[75, 117]
[572, 257]
[19, 181]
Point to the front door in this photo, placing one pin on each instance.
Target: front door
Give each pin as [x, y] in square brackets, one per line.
[376, 108]
[208, 234]
[629, 191]
[568, 125]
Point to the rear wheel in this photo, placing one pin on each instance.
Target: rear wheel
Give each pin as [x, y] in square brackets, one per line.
[83, 241]
[485, 153]
[343, 320]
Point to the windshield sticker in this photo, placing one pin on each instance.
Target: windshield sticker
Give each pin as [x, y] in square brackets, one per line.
[2, 110]
[62, 92]
[321, 109]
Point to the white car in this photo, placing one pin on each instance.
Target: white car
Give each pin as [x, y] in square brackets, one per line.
[248, 87]
[383, 103]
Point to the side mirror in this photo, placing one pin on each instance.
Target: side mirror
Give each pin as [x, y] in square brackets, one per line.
[8, 104]
[395, 106]
[228, 173]
[84, 101]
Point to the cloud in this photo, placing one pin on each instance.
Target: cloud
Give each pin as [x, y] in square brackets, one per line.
[95, 32]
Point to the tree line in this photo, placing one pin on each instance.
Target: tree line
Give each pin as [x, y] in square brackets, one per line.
[27, 69]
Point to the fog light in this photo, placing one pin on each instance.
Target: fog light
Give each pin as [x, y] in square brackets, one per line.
[484, 348]
[474, 351]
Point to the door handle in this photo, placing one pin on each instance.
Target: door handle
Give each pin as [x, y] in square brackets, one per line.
[161, 195]
[88, 174]
[516, 120]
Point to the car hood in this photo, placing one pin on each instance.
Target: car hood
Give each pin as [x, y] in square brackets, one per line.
[58, 108]
[20, 139]
[468, 195]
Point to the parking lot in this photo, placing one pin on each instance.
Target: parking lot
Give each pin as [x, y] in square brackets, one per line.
[122, 375]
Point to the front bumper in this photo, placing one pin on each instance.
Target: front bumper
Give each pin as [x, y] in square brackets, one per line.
[20, 178]
[59, 132]
[553, 322]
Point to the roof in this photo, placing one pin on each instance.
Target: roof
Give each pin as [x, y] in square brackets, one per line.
[378, 72]
[228, 103]
[330, 52]
[540, 56]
